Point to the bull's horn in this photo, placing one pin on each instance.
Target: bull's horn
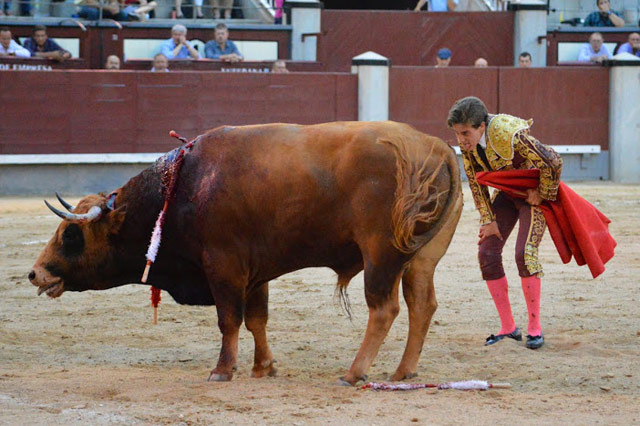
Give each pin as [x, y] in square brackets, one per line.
[64, 203]
[93, 213]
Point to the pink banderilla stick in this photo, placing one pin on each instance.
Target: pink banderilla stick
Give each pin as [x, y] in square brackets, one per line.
[466, 385]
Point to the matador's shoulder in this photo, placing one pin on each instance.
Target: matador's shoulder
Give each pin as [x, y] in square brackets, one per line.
[501, 131]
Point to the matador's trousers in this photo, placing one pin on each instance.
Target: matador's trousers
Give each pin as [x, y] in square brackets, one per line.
[508, 211]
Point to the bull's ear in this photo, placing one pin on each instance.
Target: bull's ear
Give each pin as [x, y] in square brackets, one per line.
[116, 219]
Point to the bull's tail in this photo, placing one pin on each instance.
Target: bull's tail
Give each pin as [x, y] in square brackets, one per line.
[426, 193]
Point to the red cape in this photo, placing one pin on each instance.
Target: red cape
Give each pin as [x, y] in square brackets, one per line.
[577, 228]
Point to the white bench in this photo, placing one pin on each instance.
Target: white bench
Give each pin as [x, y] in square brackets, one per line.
[565, 149]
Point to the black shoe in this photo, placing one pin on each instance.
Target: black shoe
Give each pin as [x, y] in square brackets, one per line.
[535, 342]
[515, 335]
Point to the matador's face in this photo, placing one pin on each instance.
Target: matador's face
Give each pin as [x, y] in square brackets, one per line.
[467, 135]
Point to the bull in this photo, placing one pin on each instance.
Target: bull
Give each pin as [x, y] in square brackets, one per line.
[255, 202]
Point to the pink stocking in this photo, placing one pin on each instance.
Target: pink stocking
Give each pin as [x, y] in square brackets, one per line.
[499, 290]
[531, 290]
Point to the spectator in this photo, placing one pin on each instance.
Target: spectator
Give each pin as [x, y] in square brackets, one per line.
[438, 5]
[138, 10]
[177, 47]
[524, 60]
[10, 47]
[443, 58]
[219, 6]
[222, 48]
[197, 6]
[113, 63]
[279, 67]
[481, 63]
[632, 46]
[25, 8]
[604, 17]
[594, 51]
[111, 9]
[41, 46]
[277, 17]
[160, 63]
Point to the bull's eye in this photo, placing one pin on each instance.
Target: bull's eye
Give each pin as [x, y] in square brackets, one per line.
[72, 241]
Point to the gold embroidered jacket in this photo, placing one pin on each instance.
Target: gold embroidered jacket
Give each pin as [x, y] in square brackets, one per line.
[510, 146]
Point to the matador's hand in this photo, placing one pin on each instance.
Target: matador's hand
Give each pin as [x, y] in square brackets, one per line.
[533, 197]
[488, 230]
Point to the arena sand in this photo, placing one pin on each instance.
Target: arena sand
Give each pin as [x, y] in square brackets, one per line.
[94, 357]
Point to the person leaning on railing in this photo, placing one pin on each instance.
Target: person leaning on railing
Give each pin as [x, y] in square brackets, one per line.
[632, 46]
[41, 46]
[10, 47]
[178, 47]
[595, 50]
[221, 47]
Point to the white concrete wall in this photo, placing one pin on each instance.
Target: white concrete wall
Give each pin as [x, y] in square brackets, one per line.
[529, 25]
[624, 124]
[304, 21]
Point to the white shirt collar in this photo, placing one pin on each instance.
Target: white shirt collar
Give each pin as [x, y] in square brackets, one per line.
[483, 140]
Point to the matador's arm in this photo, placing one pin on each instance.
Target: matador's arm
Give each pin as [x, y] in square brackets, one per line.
[479, 192]
[544, 158]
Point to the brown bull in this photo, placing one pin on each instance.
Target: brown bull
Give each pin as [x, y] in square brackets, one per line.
[255, 202]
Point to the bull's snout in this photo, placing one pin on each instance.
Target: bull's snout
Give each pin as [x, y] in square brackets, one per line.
[45, 282]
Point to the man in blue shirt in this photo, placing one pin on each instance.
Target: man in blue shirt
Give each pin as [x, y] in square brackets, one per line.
[632, 46]
[438, 5]
[604, 17]
[177, 47]
[222, 48]
[594, 51]
[41, 46]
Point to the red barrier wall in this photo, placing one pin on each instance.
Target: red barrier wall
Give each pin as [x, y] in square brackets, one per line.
[570, 106]
[411, 38]
[422, 96]
[128, 111]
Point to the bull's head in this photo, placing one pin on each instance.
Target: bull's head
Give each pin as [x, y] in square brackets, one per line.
[76, 257]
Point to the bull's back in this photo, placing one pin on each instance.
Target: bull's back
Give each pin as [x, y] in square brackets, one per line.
[302, 191]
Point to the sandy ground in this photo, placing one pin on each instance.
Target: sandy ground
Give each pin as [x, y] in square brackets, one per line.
[94, 357]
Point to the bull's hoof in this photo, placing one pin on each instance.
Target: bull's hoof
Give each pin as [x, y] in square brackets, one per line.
[398, 376]
[217, 377]
[346, 381]
[266, 369]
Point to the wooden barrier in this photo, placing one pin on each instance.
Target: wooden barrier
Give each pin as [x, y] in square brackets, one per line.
[422, 96]
[570, 106]
[130, 111]
[410, 38]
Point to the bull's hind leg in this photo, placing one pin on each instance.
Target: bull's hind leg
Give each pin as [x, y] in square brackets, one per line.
[255, 319]
[381, 292]
[419, 293]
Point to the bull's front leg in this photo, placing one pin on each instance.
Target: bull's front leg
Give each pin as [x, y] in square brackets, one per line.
[230, 306]
[256, 315]
[228, 285]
